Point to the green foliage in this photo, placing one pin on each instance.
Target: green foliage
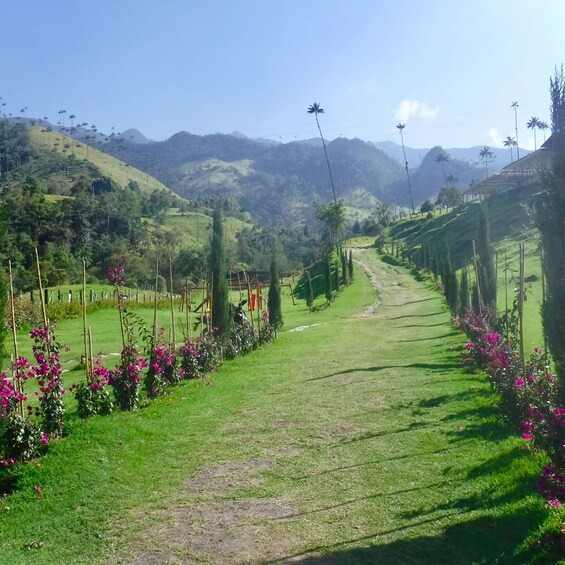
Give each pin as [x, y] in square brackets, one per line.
[350, 265]
[450, 285]
[332, 217]
[343, 257]
[221, 321]
[485, 251]
[3, 285]
[328, 278]
[464, 292]
[274, 297]
[450, 197]
[550, 219]
[427, 206]
[309, 290]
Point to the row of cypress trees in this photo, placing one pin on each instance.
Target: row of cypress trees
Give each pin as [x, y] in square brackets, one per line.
[221, 318]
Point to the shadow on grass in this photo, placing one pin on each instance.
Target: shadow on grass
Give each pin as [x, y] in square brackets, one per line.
[449, 334]
[417, 315]
[422, 300]
[435, 366]
[446, 323]
[482, 540]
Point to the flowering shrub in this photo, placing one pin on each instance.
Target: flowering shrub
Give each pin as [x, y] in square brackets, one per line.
[241, 340]
[126, 376]
[209, 353]
[529, 398]
[199, 356]
[48, 373]
[21, 438]
[93, 397]
[162, 370]
[189, 363]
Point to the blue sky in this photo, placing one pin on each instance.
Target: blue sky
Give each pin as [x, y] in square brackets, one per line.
[448, 68]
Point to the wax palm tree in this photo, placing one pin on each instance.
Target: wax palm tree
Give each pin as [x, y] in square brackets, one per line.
[533, 124]
[452, 180]
[400, 127]
[485, 154]
[543, 126]
[516, 106]
[442, 158]
[510, 142]
[315, 109]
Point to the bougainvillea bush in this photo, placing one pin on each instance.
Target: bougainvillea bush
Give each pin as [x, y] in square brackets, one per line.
[529, 394]
[92, 395]
[163, 370]
[48, 372]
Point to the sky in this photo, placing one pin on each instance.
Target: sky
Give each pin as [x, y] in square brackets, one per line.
[448, 69]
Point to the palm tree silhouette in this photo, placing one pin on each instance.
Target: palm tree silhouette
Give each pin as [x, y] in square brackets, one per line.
[315, 109]
[442, 158]
[510, 142]
[485, 153]
[533, 124]
[400, 127]
[543, 126]
[516, 106]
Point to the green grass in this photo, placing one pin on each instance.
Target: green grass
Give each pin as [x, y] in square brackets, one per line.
[510, 224]
[194, 229]
[109, 166]
[385, 448]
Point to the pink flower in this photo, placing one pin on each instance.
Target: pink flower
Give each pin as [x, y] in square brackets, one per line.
[44, 438]
[519, 382]
[527, 435]
[37, 488]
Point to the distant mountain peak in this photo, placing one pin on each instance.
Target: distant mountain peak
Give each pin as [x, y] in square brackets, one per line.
[134, 136]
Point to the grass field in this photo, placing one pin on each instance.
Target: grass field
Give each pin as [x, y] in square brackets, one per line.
[120, 172]
[358, 439]
[510, 223]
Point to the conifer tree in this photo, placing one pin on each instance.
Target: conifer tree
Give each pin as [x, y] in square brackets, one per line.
[550, 219]
[350, 265]
[218, 265]
[328, 277]
[487, 273]
[274, 297]
[3, 284]
[309, 290]
[336, 275]
[343, 258]
[464, 292]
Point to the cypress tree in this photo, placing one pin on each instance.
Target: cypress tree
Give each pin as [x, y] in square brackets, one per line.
[309, 290]
[350, 265]
[3, 284]
[343, 257]
[475, 302]
[550, 219]
[487, 273]
[336, 275]
[328, 277]
[464, 292]
[274, 297]
[218, 266]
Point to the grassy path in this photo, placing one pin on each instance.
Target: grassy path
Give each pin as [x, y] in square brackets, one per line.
[355, 440]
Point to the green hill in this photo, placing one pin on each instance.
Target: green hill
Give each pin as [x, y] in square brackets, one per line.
[510, 223]
[43, 140]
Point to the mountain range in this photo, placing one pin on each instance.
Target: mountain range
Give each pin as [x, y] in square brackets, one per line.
[282, 183]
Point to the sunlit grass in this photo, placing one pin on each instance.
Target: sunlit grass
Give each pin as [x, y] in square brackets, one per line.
[388, 450]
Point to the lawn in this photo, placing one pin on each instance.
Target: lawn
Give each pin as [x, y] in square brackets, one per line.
[353, 438]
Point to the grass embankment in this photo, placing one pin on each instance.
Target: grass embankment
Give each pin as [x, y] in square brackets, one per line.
[363, 430]
[121, 173]
[510, 223]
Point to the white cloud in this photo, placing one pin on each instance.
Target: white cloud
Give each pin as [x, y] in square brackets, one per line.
[415, 109]
[495, 138]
